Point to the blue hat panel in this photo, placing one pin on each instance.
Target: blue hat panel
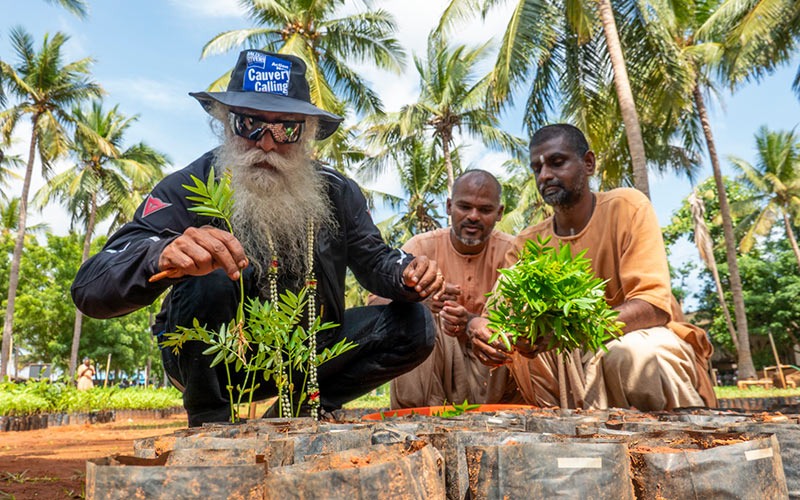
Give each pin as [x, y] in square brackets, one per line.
[265, 73]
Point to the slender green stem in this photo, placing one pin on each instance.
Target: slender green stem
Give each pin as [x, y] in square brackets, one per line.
[291, 390]
[244, 385]
[230, 389]
[282, 383]
[303, 391]
[252, 388]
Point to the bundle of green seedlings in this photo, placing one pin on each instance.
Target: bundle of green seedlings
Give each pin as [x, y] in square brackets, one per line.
[551, 295]
[269, 341]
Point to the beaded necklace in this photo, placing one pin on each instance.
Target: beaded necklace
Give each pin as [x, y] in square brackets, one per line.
[311, 287]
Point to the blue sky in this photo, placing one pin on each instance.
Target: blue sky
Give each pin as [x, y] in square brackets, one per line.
[147, 59]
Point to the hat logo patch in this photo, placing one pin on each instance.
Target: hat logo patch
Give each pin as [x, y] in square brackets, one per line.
[266, 74]
[152, 205]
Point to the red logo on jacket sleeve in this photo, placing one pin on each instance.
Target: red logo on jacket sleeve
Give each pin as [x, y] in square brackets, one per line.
[152, 205]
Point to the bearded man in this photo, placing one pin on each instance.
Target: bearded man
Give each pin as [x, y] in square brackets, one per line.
[289, 212]
[660, 362]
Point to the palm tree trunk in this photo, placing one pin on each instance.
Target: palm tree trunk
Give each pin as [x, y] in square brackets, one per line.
[448, 163]
[725, 311]
[87, 244]
[625, 98]
[13, 276]
[745, 359]
[702, 239]
[790, 234]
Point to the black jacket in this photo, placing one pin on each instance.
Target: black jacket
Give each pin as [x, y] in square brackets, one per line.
[114, 282]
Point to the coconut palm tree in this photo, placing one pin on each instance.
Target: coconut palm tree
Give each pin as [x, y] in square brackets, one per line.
[100, 182]
[758, 38]
[546, 37]
[9, 220]
[452, 101]
[77, 7]
[421, 172]
[700, 40]
[45, 88]
[8, 164]
[776, 179]
[702, 239]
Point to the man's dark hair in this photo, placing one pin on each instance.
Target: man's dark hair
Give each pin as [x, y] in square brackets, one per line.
[480, 176]
[573, 135]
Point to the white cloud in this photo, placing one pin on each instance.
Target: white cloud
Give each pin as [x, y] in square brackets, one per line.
[210, 8]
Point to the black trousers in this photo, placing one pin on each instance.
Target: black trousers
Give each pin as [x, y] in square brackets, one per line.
[390, 340]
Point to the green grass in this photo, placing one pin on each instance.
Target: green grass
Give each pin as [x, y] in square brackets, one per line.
[754, 392]
[44, 397]
[379, 398]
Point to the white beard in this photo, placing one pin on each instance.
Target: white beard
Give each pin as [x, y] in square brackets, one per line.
[279, 201]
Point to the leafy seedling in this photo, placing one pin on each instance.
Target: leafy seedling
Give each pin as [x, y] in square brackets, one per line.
[456, 409]
[551, 294]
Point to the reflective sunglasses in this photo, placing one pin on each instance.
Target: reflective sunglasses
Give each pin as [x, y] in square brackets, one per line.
[282, 132]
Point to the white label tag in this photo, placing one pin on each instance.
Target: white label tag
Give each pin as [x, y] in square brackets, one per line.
[495, 420]
[580, 463]
[756, 454]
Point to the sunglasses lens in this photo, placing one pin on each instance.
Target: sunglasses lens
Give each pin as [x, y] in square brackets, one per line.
[247, 127]
[286, 131]
[253, 129]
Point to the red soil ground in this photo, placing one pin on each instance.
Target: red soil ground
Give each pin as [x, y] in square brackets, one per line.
[50, 463]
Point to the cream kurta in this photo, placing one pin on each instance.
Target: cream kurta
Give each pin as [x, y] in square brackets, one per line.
[452, 372]
[624, 242]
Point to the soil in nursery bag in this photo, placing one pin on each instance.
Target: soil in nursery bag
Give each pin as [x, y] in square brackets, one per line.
[153, 447]
[705, 417]
[644, 426]
[789, 441]
[704, 465]
[195, 456]
[572, 469]
[453, 445]
[306, 444]
[125, 478]
[566, 424]
[403, 471]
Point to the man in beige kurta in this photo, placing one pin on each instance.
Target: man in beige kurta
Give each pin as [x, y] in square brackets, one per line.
[660, 362]
[469, 254]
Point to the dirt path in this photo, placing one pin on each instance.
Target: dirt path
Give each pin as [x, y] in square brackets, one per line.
[51, 463]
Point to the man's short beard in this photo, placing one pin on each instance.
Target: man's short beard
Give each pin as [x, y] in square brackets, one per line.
[469, 242]
[564, 197]
[279, 201]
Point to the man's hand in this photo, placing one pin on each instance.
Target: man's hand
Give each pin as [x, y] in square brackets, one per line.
[488, 353]
[423, 275]
[451, 293]
[525, 348]
[198, 251]
[454, 319]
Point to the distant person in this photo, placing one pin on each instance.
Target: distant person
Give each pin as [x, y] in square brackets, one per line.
[85, 374]
[660, 362]
[469, 253]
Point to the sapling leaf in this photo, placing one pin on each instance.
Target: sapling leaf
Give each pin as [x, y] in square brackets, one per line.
[550, 292]
[270, 339]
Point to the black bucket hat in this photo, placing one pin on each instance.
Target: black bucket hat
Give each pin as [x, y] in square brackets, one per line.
[265, 81]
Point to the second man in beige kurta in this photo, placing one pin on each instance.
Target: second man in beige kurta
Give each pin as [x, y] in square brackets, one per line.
[469, 253]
